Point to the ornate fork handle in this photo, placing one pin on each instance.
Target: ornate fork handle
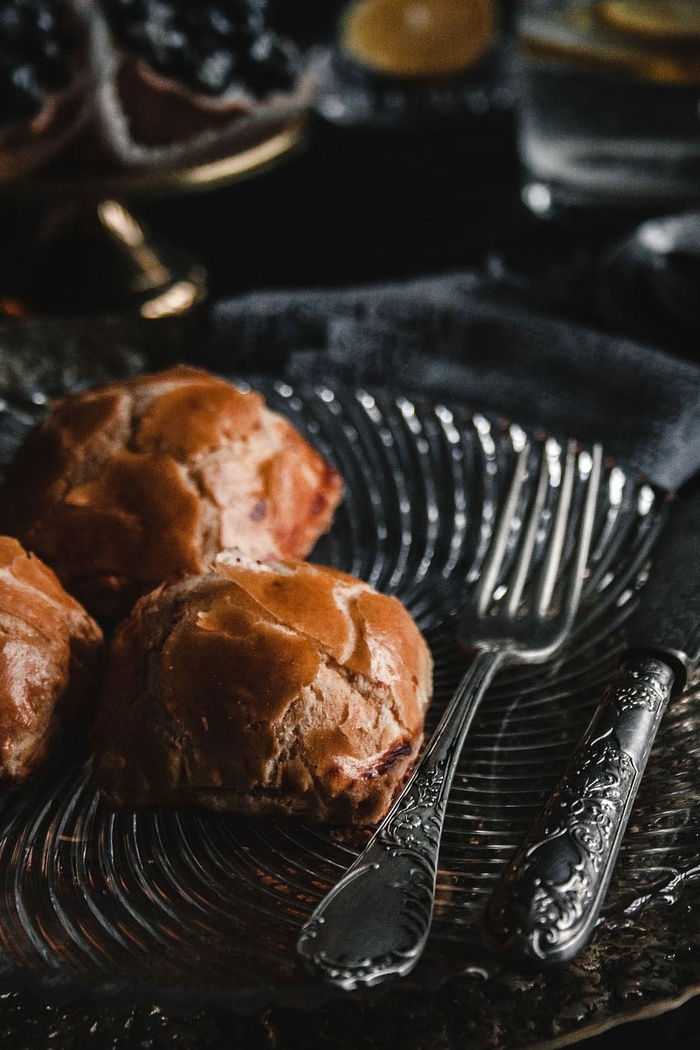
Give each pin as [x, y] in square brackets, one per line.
[545, 907]
[375, 922]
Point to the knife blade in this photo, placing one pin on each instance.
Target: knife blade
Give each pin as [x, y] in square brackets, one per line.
[544, 909]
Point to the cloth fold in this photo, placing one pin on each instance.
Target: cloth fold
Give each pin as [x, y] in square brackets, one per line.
[454, 337]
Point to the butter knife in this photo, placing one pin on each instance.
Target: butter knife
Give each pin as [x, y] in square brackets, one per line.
[544, 909]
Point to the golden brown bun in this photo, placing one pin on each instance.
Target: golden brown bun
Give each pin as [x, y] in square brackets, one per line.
[286, 689]
[131, 484]
[49, 650]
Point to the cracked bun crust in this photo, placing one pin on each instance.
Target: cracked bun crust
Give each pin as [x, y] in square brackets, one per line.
[288, 689]
[49, 653]
[138, 482]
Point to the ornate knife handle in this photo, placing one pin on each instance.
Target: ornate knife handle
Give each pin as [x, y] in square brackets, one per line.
[374, 923]
[544, 909]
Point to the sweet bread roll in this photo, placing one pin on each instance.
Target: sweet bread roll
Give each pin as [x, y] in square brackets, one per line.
[124, 486]
[286, 689]
[49, 651]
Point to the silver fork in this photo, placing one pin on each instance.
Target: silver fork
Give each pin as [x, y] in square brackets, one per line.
[373, 925]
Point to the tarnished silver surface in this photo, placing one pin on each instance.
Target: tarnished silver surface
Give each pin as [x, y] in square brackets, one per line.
[374, 923]
[210, 906]
[544, 909]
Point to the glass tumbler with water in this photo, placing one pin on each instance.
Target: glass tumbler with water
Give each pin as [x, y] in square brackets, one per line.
[609, 102]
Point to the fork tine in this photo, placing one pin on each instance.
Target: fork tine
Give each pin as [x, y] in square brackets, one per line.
[584, 531]
[522, 566]
[375, 922]
[555, 546]
[499, 544]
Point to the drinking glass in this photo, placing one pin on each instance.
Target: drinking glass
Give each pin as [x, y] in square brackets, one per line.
[609, 103]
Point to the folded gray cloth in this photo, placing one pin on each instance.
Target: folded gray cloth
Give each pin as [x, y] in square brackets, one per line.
[451, 337]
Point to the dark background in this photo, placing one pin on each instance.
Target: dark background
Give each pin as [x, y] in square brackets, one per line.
[357, 206]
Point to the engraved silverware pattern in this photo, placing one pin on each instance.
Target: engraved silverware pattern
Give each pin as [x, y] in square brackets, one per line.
[374, 923]
[544, 910]
[211, 905]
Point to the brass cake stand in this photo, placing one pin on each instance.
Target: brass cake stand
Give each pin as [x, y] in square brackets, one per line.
[87, 251]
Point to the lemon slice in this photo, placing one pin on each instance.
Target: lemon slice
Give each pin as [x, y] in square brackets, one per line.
[667, 20]
[418, 38]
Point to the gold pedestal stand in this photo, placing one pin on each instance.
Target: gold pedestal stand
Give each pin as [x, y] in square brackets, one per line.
[90, 253]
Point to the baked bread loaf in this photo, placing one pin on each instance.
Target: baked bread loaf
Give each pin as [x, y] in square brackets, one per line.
[49, 654]
[287, 689]
[125, 486]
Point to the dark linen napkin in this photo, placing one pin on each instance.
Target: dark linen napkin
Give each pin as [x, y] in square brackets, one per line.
[452, 337]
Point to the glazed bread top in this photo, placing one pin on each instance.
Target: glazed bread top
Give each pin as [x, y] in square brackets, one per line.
[49, 652]
[31, 592]
[290, 687]
[124, 486]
